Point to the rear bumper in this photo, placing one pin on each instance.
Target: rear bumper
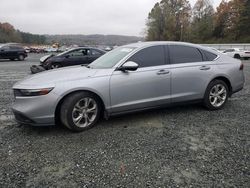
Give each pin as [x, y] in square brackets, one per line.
[237, 90]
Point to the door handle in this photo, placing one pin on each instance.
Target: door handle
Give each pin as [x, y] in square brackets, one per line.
[205, 67]
[160, 72]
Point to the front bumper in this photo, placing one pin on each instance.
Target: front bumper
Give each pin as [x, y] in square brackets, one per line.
[37, 110]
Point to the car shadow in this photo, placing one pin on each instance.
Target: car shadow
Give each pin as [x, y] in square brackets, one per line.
[120, 121]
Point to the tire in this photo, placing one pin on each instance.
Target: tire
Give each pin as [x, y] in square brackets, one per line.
[237, 56]
[74, 111]
[212, 99]
[21, 57]
[54, 66]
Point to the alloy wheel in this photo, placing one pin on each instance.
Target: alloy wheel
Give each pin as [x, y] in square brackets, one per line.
[84, 112]
[218, 95]
[54, 66]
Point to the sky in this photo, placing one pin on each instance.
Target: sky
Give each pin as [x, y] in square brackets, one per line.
[120, 17]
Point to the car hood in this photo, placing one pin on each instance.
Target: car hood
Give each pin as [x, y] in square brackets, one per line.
[51, 77]
[44, 58]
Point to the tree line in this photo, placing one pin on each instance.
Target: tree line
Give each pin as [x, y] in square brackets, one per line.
[176, 20]
[9, 34]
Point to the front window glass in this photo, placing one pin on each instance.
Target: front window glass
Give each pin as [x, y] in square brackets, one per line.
[150, 56]
[111, 58]
[81, 52]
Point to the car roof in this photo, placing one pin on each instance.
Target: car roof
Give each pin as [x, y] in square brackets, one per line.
[85, 48]
[152, 43]
[10, 44]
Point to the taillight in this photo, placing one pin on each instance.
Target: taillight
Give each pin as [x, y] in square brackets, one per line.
[241, 66]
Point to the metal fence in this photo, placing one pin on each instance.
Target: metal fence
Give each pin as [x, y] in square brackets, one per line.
[245, 46]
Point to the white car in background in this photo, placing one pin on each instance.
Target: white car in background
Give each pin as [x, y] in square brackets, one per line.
[237, 53]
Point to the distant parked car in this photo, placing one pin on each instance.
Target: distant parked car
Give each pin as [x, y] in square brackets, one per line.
[238, 53]
[27, 49]
[37, 50]
[108, 48]
[51, 49]
[12, 52]
[76, 56]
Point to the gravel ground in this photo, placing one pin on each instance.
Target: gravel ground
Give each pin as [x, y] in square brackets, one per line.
[185, 146]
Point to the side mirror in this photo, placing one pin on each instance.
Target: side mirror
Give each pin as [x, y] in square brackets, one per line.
[128, 66]
[66, 56]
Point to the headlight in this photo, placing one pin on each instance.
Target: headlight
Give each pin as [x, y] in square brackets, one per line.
[31, 92]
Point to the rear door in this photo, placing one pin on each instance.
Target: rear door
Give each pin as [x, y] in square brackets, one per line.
[148, 86]
[14, 51]
[191, 72]
[94, 55]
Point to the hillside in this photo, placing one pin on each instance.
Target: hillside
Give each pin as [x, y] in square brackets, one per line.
[9, 34]
[92, 39]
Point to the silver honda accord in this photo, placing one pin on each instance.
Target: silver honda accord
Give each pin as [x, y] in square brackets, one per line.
[129, 78]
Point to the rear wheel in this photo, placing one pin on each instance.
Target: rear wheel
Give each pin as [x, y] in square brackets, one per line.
[80, 111]
[21, 57]
[237, 56]
[216, 95]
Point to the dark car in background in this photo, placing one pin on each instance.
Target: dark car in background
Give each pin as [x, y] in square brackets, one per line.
[12, 52]
[76, 56]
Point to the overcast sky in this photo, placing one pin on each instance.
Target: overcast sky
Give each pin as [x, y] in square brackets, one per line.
[121, 17]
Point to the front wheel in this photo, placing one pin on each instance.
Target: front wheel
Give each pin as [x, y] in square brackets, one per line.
[80, 111]
[54, 66]
[216, 95]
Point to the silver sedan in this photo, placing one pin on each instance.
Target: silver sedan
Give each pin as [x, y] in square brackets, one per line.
[129, 78]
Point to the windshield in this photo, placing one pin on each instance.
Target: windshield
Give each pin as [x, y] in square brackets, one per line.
[111, 58]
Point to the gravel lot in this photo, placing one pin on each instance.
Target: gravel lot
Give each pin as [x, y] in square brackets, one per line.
[185, 146]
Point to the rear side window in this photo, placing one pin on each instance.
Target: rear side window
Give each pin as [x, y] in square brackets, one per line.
[208, 56]
[184, 54]
[150, 56]
[16, 48]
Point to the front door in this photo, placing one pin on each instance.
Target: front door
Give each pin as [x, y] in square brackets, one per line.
[75, 57]
[148, 86]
